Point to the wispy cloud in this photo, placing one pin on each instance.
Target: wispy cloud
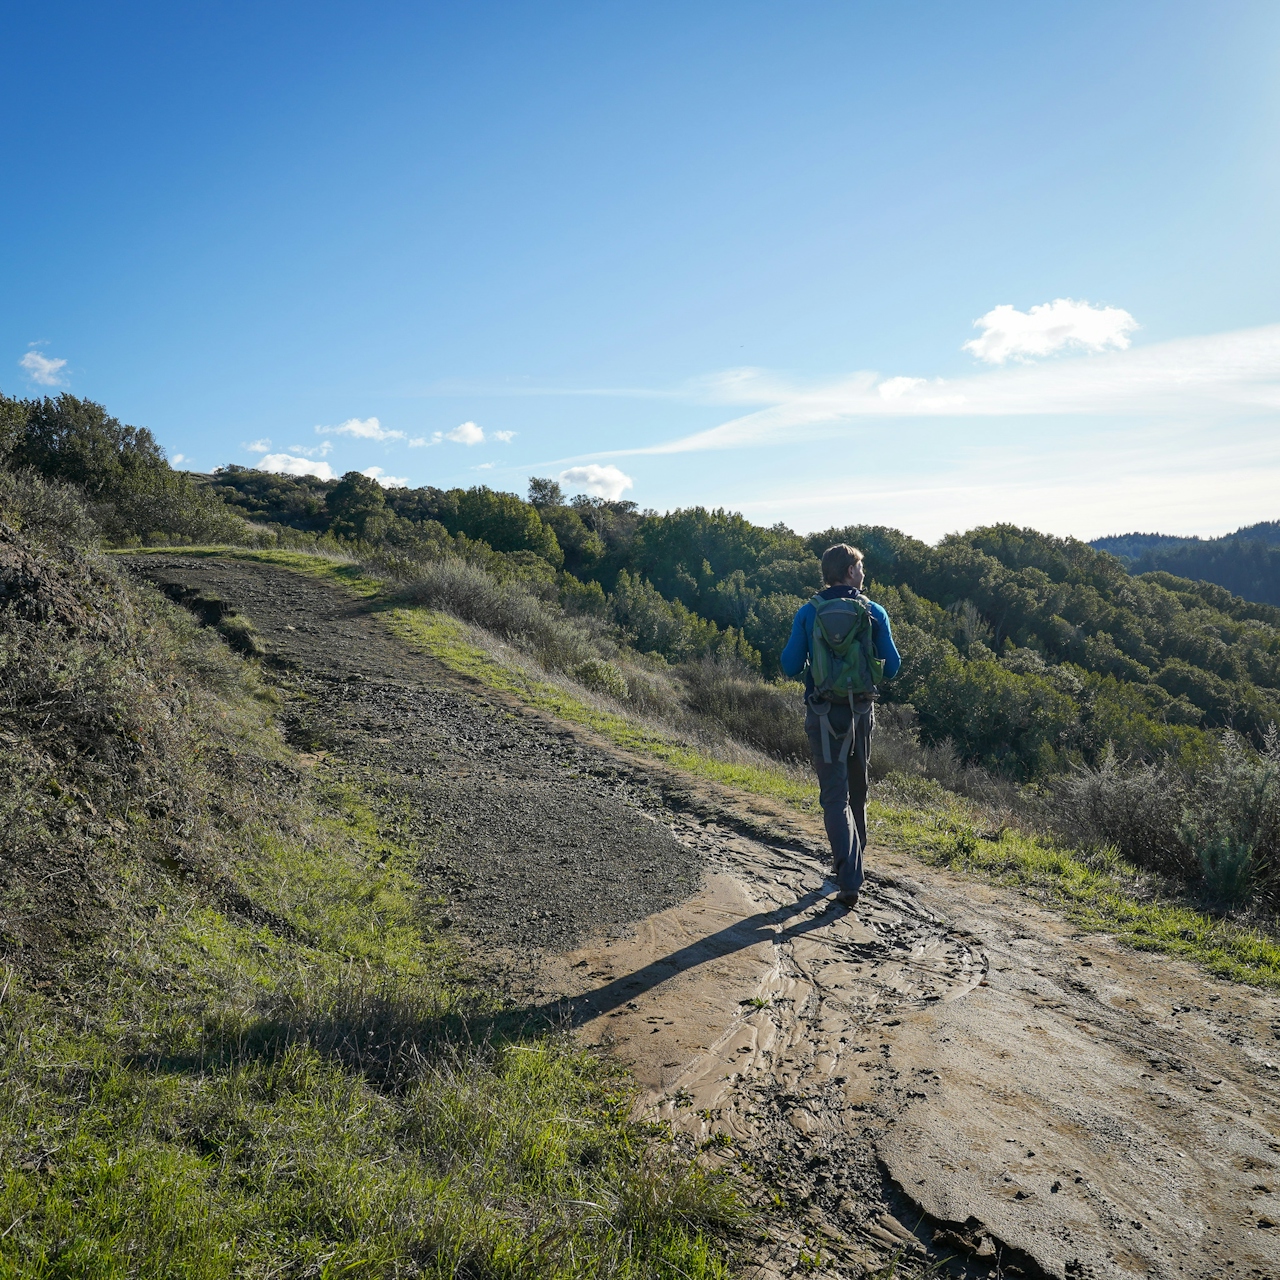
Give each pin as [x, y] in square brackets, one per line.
[386, 481]
[258, 446]
[321, 450]
[1060, 325]
[602, 481]
[361, 429]
[505, 436]
[1176, 479]
[1206, 377]
[43, 370]
[288, 464]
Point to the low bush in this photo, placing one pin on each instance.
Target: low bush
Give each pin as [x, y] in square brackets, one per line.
[1216, 826]
[1136, 807]
[1231, 824]
[769, 717]
[507, 609]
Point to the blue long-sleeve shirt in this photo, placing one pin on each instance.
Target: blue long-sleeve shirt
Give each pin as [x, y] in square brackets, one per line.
[795, 655]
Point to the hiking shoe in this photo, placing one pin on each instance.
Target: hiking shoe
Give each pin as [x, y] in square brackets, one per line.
[847, 899]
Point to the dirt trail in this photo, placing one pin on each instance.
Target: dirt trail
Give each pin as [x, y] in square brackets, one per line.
[948, 1071]
[1061, 1102]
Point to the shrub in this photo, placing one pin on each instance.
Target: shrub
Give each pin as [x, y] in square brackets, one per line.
[509, 610]
[582, 597]
[1228, 869]
[1136, 808]
[1231, 822]
[769, 717]
[602, 676]
[654, 624]
[45, 510]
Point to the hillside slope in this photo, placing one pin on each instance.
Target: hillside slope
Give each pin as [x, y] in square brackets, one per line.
[1246, 563]
[951, 1071]
[239, 1037]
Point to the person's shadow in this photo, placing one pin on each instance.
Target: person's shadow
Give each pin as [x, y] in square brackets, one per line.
[744, 933]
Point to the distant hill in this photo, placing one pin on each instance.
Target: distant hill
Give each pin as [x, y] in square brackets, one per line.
[1246, 562]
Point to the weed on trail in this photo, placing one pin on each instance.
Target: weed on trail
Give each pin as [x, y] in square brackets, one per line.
[233, 1046]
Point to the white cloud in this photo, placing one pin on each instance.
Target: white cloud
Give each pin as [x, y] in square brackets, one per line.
[419, 442]
[1205, 378]
[258, 446]
[604, 482]
[467, 433]
[1010, 334]
[484, 466]
[505, 436]
[178, 458]
[286, 464]
[893, 388]
[321, 451]
[48, 373]
[361, 429]
[386, 481]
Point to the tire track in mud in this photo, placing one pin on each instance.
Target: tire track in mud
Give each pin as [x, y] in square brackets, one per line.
[947, 1071]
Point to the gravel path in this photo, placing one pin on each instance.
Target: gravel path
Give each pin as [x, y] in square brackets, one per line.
[534, 839]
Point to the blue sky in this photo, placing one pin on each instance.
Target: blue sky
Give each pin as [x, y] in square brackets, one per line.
[727, 254]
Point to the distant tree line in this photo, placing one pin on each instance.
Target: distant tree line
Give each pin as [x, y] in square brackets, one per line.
[1246, 562]
[1029, 653]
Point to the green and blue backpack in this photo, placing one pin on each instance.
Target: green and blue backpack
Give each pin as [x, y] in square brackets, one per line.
[842, 662]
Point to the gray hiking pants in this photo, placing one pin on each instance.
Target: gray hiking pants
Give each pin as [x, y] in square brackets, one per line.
[842, 788]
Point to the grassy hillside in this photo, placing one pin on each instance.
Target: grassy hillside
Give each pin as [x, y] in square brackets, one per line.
[234, 1043]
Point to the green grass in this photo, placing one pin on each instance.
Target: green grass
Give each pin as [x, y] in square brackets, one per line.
[331, 1098]
[497, 1162]
[1097, 894]
[1098, 899]
[267, 1063]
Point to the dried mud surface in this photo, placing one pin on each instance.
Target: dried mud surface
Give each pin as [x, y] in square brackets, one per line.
[947, 1072]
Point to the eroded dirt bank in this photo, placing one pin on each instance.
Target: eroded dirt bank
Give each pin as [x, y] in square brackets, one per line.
[947, 1071]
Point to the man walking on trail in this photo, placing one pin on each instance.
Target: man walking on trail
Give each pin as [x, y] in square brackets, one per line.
[844, 645]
